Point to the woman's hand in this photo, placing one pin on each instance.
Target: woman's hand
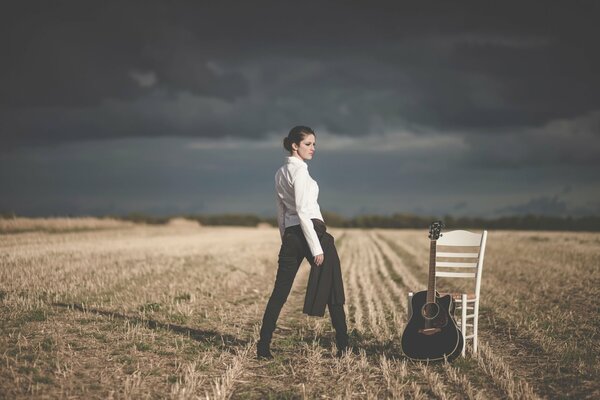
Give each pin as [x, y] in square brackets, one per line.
[319, 259]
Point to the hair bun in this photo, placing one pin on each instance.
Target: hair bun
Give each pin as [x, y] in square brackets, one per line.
[286, 144]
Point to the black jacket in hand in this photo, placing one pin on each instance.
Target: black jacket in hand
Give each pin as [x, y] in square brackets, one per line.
[325, 283]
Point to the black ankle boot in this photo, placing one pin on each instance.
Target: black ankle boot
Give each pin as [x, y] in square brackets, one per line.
[263, 351]
[342, 345]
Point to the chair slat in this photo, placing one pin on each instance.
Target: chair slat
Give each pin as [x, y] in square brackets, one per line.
[455, 264]
[444, 274]
[457, 248]
[451, 254]
[460, 238]
[456, 259]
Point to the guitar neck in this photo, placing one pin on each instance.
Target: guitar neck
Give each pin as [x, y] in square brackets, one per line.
[431, 284]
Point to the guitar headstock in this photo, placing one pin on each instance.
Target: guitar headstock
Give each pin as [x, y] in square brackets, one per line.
[435, 230]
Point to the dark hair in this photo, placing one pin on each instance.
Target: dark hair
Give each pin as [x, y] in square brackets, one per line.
[296, 135]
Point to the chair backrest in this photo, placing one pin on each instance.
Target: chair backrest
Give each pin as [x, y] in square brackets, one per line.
[459, 254]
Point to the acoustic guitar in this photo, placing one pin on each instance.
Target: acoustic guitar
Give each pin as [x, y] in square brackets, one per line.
[431, 333]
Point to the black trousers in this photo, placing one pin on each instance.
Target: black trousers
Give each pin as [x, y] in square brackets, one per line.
[294, 249]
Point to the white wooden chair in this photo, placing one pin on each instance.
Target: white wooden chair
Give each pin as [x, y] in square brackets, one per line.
[462, 250]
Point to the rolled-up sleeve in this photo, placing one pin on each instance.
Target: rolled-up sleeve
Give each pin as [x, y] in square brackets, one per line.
[301, 188]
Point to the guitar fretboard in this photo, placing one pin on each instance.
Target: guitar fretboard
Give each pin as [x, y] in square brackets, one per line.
[431, 283]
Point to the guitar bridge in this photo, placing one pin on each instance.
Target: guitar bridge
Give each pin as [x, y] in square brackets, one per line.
[430, 331]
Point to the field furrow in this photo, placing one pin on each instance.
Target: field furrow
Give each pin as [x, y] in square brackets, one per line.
[351, 268]
[392, 308]
[378, 322]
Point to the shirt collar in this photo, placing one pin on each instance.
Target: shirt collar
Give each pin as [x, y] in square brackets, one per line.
[296, 160]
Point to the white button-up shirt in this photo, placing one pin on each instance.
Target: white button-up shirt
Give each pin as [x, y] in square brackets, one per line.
[297, 194]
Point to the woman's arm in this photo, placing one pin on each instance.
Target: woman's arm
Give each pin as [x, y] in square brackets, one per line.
[301, 186]
[280, 214]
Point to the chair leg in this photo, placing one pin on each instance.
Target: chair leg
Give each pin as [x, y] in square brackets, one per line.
[463, 322]
[475, 324]
[409, 304]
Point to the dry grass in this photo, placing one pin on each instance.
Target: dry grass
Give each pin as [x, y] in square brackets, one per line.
[101, 309]
[59, 224]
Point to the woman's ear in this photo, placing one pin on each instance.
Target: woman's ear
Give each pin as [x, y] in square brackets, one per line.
[294, 147]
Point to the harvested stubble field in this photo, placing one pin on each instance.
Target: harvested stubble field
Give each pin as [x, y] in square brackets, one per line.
[113, 310]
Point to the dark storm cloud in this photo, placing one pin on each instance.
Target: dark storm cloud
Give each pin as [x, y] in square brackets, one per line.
[573, 141]
[538, 206]
[76, 54]
[105, 70]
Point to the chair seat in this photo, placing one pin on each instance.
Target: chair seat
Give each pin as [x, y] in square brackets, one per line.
[458, 296]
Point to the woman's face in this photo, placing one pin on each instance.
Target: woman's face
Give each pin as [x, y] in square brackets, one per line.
[306, 149]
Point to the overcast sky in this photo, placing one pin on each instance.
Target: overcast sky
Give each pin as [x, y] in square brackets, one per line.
[463, 108]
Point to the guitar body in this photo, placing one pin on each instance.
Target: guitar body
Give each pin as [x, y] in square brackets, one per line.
[431, 333]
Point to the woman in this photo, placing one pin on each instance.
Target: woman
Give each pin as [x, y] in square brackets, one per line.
[303, 234]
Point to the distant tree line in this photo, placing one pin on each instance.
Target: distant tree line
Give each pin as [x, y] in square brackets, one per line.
[394, 221]
[524, 222]
[400, 221]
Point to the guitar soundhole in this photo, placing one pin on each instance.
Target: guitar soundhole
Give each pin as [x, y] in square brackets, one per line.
[430, 310]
